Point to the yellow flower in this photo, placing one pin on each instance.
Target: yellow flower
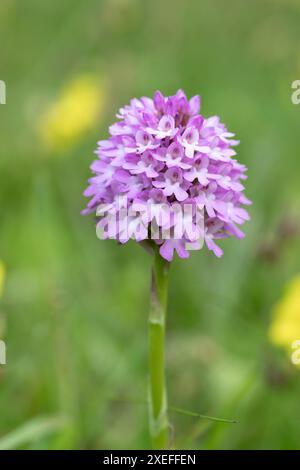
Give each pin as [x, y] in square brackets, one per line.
[285, 326]
[2, 277]
[74, 113]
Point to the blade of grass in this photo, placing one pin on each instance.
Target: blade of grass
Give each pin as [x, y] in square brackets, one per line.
[31, 431]
[198, 415]
[179, 410]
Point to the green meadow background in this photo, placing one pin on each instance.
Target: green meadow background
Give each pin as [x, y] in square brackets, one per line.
[73, 312]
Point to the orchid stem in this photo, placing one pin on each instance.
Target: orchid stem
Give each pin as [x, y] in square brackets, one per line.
[159, 426]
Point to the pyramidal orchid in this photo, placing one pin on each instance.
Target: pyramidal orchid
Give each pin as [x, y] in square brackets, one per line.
[168, 178]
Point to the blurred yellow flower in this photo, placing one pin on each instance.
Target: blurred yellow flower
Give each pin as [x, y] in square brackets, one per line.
[74, 113]
[2, 277]
[285, 327]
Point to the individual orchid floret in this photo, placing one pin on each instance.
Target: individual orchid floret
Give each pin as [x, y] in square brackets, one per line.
[144, 141]
[144, 164]
[172, 184]
[169, 246]
[207, 199]
[213, 127]
[213, 230]
[227, 180]
[190, 141]
[174, 156]
[200, 173]
[165, 128]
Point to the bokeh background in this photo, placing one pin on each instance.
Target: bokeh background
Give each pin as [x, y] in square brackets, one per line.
[73, 309]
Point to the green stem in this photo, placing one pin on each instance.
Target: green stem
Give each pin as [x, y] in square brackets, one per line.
[159, 427]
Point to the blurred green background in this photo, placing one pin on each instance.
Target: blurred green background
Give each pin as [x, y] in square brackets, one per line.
[73, 312]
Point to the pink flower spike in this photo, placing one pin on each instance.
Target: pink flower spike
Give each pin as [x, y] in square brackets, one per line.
[162, 154]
